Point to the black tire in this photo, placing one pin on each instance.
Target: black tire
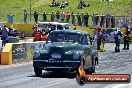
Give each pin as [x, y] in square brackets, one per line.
[38, 71]
[80, 79]
[82, 65]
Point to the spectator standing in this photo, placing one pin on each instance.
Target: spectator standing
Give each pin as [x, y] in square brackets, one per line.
[97, 19]
[52, 17]
[107, 20]
[36, 17]
[58, 16]
[120, 23]
[83, 20]
[25, 16]
[86, 17]
[4, 35]
[62, 17]
[126, 39]
[73, 19]
[103, 35]
[45, 33]
[44, 16]
[112, 21]
[79, 19]
[68, 17]
[99, 38]
[94, 19]
[117, 36]
[36, 34]
[95, 36]
[102, 19]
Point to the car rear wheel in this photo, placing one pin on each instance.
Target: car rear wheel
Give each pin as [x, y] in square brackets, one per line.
[38, 71]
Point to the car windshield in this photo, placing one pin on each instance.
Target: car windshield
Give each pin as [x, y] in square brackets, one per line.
[43, 25]
[65, 37]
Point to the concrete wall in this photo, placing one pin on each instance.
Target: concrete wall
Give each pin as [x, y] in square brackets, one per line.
[27, 28]
[6, 55]
[19, 52]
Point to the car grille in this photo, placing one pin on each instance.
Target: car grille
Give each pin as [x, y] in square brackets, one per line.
[56, 50]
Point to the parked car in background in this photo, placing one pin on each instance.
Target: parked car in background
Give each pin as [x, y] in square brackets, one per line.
[66, 50]
[11, 31]
[53, 26]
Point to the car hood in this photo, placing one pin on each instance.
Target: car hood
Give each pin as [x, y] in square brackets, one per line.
[63, 46]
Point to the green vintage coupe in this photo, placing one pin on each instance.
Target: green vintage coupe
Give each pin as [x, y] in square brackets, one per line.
[66, 50]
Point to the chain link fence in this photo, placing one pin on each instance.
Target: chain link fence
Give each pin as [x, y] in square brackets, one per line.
[119, 21]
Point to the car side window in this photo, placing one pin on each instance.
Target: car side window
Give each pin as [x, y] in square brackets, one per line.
[59, 27]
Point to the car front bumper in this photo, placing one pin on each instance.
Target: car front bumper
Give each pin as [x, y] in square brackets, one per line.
[54, 64]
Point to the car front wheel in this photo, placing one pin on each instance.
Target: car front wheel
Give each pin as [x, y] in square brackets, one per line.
[38, 71]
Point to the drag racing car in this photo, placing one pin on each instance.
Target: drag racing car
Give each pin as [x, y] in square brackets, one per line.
[66, 50]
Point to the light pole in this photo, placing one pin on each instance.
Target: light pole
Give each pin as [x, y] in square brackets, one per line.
[30, 9]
